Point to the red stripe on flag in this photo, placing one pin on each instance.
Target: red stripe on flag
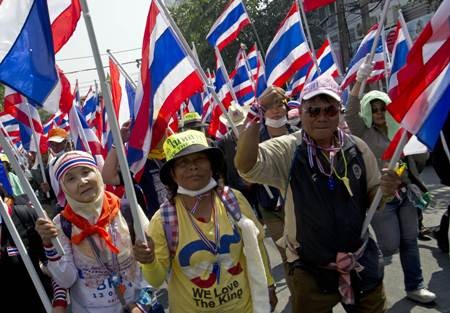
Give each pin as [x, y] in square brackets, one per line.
[64, 25]
[310, 5]
[298, 64]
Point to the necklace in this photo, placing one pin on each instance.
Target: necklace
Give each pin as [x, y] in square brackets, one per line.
[344, 177]
[312, 148]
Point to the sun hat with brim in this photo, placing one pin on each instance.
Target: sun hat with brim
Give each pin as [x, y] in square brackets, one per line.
[57, 135]
[237, 114]
[185, 143]
[191, 120]
[323, 85]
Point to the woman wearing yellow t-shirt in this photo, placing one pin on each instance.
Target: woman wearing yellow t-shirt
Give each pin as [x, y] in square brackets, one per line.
[200, 234]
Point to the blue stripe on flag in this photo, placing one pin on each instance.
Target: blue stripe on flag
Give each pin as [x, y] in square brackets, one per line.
[232, 17]
[167, 54]
[29, 66]
[429, 132]
[399, 59]
[290, 40]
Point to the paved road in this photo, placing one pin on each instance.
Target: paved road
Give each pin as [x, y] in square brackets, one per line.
[435, 265]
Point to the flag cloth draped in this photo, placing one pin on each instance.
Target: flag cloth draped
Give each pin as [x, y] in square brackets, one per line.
[288, 51]
[27, 59]
[64, 16]
[360, 56]
[420, 101]
[229, 24]
[168, 77]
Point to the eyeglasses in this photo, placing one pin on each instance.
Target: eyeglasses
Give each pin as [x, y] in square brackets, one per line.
[329, 111]
[376, 110]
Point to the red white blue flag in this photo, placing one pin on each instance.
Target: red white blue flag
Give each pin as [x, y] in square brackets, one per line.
[326, 62]
[420, 101]
[359, 58]
[27, 59]
[168, 77]
[18, 106]
[64, 16]
[229, 24]
[288, 51]
[243, 84]
[399, 54]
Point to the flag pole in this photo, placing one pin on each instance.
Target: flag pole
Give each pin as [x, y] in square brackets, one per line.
[121, 69]
[25, 256]
[333, 55]
[444, 144]
[35, 204]
[387, 60]
[247, 66]
[375, 43]
[405, 28]
[308, 33]
[203, 76]
[38, 150]
[114, 124]
[378, 195]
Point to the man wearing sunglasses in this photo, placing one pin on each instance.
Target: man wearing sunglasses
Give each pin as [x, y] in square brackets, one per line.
[329, 179]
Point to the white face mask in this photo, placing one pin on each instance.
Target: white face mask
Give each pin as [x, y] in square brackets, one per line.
[294, 122]
[276, 123]
[194, 193]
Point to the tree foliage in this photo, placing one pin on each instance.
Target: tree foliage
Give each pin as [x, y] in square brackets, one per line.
[195, 18]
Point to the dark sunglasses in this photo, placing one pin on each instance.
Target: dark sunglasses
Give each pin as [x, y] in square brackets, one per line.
[329, 111]
[381, 110]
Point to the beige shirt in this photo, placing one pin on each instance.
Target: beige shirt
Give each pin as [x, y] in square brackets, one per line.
[273, 166]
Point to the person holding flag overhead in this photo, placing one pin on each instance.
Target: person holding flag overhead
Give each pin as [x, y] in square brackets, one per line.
[206, 235]
[329, 179]
[396, 226]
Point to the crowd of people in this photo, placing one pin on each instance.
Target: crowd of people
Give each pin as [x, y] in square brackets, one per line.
[304, 177]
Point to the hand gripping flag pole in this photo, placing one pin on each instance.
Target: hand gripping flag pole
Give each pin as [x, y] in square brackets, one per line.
[24, 256]
[114, 124]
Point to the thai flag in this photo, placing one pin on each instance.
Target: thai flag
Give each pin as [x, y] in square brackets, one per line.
[208, 105]
[90, 105]
[310, 5]
[399, 54]
[325, 61]
[59, 119]
[252, 57]
[64, 16]
[261, 82]
[10, 125]
[27, 59]
[295, 87]
[194, 104]
[229, 24]
[360, 56]
[84, 137]
[4, 180]
[288, 51]
[93, 112]
[168, 77]
[123, 93]
[21, 110]
[221, 86]
[420, 101]
[243, 83]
